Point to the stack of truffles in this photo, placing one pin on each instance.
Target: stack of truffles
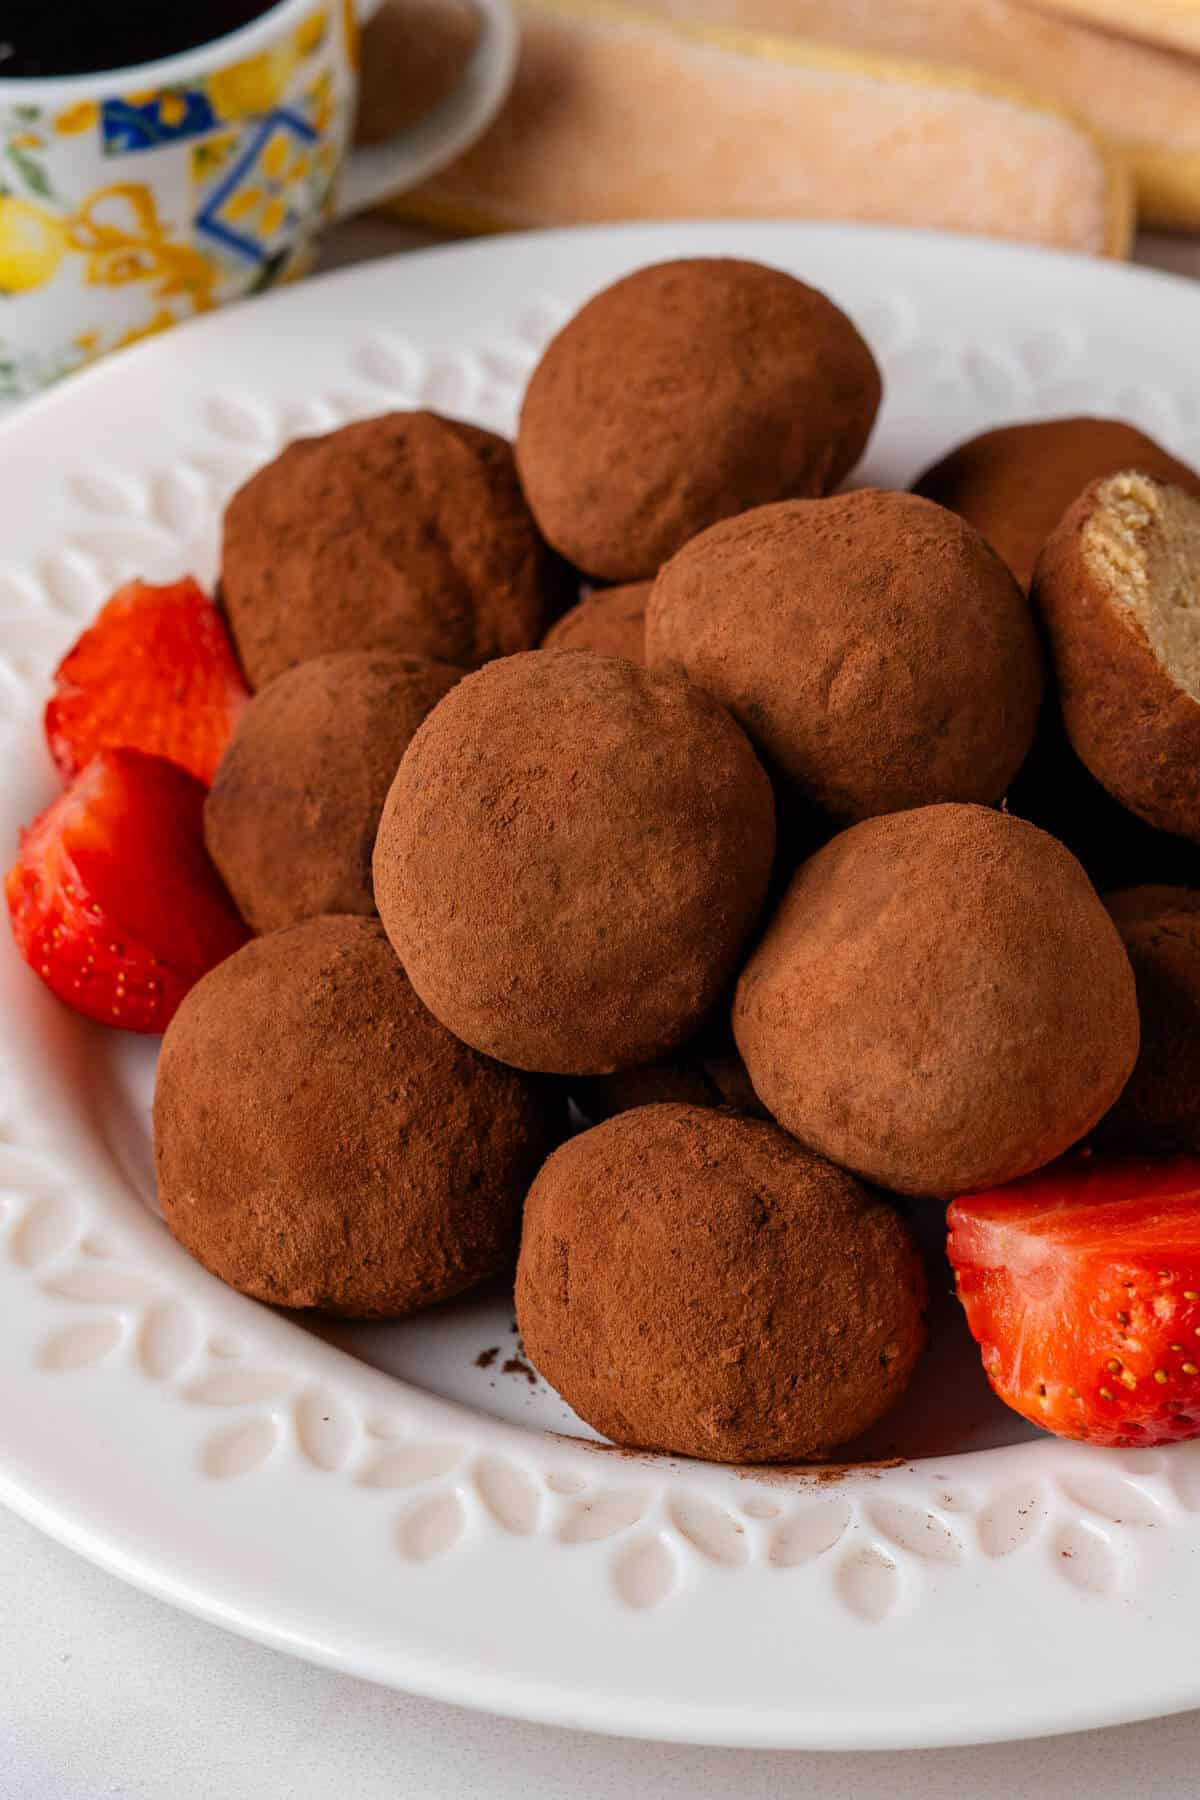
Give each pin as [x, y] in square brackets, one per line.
[775, 853]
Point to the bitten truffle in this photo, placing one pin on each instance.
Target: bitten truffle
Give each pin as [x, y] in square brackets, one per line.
[694, 1282]
[685, 393]
[877, 652]
[291, 817]
[406, 532]
[611, 621]
[1159, 1108]
[322, 1142]
[571, 857]
[1116, 585]
[941, 1002]
[1015, 483]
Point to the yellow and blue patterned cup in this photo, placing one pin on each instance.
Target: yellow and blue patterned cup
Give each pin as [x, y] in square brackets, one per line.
[134, 199]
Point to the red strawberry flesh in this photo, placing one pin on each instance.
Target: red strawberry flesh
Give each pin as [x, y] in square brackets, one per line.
[154, 672]
[113, 899]
[1082, 1286]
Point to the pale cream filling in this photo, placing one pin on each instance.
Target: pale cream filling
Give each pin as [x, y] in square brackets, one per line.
[1143, 542]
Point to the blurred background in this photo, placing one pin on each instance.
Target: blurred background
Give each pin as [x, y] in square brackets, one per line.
[1073, 123]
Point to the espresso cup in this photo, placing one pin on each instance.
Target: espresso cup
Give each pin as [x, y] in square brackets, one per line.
[134, 199]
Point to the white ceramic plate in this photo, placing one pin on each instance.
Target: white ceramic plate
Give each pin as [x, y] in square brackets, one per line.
[391, 1500]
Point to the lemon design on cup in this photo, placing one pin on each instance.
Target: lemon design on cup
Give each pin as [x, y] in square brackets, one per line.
[33, 243]
[310, 33]
[83, 116]
[254, 85]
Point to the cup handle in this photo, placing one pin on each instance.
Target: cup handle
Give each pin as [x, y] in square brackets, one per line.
[375, 173]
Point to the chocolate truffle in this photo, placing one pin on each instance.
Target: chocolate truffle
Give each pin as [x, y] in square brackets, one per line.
[941, 1002]
[1116, 586]
[611, 621]
[321, 1141]
[406, 532]
[571, 858]
[706, 1071]
[695, 1282]
[877, 652]
[1015, 483]
[1159, 1108]
[291, 817]
[677, 1078]
[685, 393]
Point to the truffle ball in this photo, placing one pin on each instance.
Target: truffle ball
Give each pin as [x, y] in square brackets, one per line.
[694, 1282]
[571, 857]
[706, 1071]
[941, 1002]
[682, 394]
[677, 1078]
[1159, 1108]
[878, 654]
[1015, 483]
[321, 1141]
[1115, 586]
[291, 817]
[611, 621]
[407, 532]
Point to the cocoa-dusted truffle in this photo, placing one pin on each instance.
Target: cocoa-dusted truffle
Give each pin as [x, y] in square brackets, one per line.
[1159, 1108]
[1116, 585]
[695, 1282]
[878, 653]
[941, 1002]
[570, 860]
[610, 620]
[706, 1071]
[1015, 483]
[291, 817]
[321, 1141]
[406, 532]
[678, 1078]
[685, 393]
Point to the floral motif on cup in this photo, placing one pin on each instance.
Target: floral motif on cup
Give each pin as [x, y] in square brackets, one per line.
[260, 190]
[244, 176]
[259, 199]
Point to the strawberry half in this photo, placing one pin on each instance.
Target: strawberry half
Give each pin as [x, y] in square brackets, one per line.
[1082, 1285]
[113, 899]
[156, 672]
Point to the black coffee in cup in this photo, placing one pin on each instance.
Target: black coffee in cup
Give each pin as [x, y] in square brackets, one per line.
[83, 37]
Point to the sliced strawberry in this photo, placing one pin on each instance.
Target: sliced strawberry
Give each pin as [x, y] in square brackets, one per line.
[113, 899]
[156, 672]
[1082, 1285]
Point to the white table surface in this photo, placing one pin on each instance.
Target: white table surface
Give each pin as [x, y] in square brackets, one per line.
[104, 1692]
